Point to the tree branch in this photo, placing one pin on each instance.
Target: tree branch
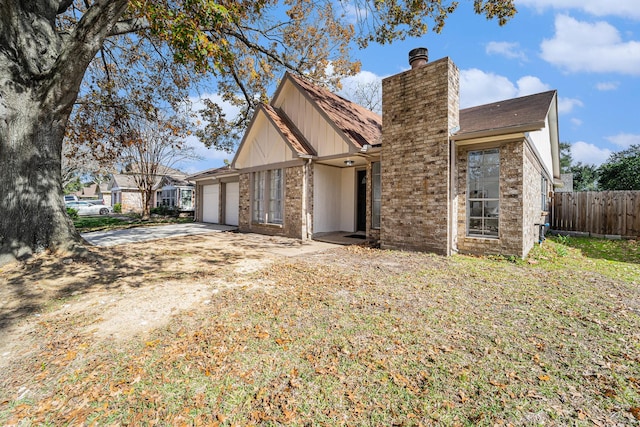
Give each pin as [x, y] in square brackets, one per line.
[129, 26]
[63, 6]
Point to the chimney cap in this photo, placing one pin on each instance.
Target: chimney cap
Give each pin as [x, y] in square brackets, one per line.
[418, 57]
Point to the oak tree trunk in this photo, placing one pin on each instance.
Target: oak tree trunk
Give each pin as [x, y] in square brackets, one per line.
[33, 216]
[41, 69]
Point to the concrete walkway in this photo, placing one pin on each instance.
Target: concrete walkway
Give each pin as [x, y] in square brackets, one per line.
[143, 234]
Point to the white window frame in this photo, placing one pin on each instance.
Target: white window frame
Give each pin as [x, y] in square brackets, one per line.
[483, 195]
[268, 197]
[544, 185]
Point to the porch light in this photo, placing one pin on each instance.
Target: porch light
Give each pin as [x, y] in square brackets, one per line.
[349, 162]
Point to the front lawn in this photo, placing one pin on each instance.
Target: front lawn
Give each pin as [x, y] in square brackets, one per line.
[99, 223]
[364, 337]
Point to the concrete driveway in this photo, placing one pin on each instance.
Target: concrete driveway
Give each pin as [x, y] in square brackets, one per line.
[143, 234]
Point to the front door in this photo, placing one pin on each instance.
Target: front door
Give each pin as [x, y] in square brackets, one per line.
[361, 207]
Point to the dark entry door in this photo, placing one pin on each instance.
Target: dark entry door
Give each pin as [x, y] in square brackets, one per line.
[361, 208]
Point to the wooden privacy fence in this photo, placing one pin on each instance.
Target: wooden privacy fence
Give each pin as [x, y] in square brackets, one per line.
[600, 213]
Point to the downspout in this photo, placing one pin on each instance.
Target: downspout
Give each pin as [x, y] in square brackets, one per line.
[453, 195]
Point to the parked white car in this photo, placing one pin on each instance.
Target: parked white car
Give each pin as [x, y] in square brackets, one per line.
[89, 208]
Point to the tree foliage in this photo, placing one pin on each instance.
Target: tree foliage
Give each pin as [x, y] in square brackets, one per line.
[585, 176]
[621, 171]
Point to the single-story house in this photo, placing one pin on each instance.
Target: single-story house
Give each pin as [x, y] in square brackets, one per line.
[425, 176]
[171, 189]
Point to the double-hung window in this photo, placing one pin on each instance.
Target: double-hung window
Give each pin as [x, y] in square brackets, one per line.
[483, 190]
[268, 196]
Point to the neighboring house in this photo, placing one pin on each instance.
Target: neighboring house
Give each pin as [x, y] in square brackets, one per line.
[95, 191]
[170, 188]
[426, 176]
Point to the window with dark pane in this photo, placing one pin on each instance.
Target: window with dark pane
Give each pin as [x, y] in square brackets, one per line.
[483, 193]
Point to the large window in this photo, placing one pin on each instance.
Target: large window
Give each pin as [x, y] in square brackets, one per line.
[268, 196]
[166, 197]
[483, 190]
[376, 191]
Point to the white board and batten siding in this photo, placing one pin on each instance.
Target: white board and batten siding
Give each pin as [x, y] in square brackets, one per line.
[263, 145]
[312, 124]
[210, 203]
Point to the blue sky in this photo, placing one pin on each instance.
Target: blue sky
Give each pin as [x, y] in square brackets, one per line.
[588, 50]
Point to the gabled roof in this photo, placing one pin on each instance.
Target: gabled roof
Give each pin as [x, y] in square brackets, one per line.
[123, 182]
[359, 125]
[289, 132]
[523, 114]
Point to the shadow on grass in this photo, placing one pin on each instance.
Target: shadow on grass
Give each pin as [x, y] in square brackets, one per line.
[612, 250]
[29, 288]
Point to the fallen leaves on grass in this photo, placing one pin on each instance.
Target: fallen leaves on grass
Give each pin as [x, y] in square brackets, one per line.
[359, 336]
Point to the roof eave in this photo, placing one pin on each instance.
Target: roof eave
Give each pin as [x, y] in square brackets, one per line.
[488, 133]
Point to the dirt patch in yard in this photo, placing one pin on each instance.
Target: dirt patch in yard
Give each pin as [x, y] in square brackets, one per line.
[119, 292]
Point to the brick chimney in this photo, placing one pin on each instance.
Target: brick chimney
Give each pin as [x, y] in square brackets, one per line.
[419, 109]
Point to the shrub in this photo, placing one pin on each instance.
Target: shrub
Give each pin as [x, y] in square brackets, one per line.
[73, 213]
[117, 208]
[165, 211]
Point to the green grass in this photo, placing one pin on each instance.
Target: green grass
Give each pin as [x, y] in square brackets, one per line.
[100, 223]
[366, 337]
[612, 250]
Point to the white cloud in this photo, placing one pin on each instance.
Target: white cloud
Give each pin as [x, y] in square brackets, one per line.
[592, 47]
[589, 154]
[478, 87]
[506, 49]
[566, 105]
[363, 77]
[621, 8]
[624, 140]
[528, 85]
[576, 122]
[604, 86]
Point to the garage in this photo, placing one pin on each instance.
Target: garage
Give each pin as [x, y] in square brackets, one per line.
[232, 203]
[211, 203]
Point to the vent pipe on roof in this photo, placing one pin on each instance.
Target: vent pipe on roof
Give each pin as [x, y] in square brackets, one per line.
[418, 57]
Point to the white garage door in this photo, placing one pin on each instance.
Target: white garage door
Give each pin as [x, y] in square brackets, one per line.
[232, 203]
[210, 202]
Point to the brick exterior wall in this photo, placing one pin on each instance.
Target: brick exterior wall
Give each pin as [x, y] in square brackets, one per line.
[514, 196]
[532, 198]
[131, 201]
[373, 234]
[420, 106]
[294, 216]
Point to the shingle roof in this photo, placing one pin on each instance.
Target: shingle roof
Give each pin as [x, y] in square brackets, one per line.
[288, 130]
[211, 173]
[512, 113]
[358, 124]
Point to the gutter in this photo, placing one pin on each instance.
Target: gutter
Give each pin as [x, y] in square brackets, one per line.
[512, 131]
